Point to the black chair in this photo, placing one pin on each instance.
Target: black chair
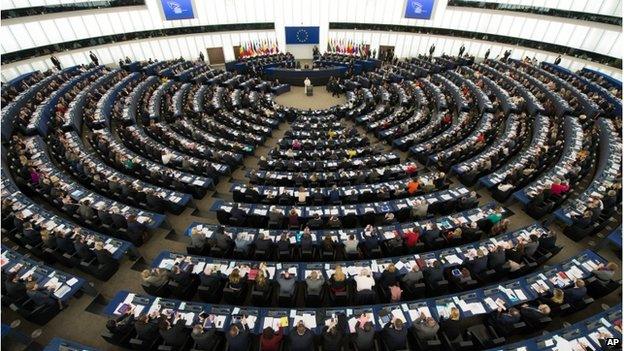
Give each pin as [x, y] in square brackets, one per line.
[484, 336]
[597, 288]
[456, 345]
[119, 340]
[38, 314]
[138, 344]
[160, 291]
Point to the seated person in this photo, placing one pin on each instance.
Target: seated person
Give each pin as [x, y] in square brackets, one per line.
[270, 340]
[338, 281]
[332, 336]
[316, 222]
[389, 276]
[210, 278]
[314, 283]
[174, 334]
[413, 277]
[604, 273]
[238, 336]
[15, 287]
[505, 319]
[364, 335]
[237, 215]
[364, 281]
[283, 244]
[235, 281]
[263, 243]
[434, 273]
[479, 263]
[451, 326]
[559, 188]
[328, 245]
[371, 240]
[430, 234]
[182, 276]
[395, 334]
[534, 314]
[261, 283]
[302, 339]
[205, 339]
[287, 283]
[156, 277]
[411, 237]
[426, 328]
[351, 245]
[146, 327]
[576, 293]
[122, 325]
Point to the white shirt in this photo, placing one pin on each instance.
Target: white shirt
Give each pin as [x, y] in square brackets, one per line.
[166, 158]
[364, 282]
[307, 82]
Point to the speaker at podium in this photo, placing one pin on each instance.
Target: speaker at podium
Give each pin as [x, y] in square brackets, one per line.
[308, 87]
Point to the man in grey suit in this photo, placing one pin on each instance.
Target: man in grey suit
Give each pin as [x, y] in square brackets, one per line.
[426, 327]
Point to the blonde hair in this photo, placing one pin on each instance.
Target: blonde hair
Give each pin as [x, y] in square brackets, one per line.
[611, 266]
[145, 274]
[339, 274]
[391, 268]
[261, 279]
[454, 315]
[557, 296]
[235, 276]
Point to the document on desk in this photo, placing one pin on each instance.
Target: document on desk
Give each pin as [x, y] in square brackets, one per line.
[490, 302]
[62, 291]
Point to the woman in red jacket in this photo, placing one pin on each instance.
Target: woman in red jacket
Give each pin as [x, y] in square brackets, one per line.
[270, 340]
[411, 237]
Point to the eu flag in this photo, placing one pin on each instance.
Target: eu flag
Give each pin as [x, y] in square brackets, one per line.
[419, 9]
[302, 35]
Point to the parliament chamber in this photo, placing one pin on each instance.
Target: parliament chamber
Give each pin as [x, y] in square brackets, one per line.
[368, 175]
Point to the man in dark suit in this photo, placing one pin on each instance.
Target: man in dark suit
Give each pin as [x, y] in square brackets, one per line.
[204, 339]
[547, 241]
[15, 288]
[103, 256]
[82, 248]
[302, 339]
[263, 243]
[122, 325]
[174, 335]
[181, 276]
[146, 328]
[31, 236]
[533, 314]
[238, 336]
[237, 215]
[40, 296]
[364, 336]
[64, 243]
[479, 263]
[316, 222]
[575, 293]
[505, 319]
[496, 257]
[430, 234]
[395, 335]
[434, 274]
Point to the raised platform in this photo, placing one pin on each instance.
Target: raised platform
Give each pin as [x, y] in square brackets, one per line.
[322, 99]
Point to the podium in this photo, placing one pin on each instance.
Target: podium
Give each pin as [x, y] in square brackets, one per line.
[309, 90]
